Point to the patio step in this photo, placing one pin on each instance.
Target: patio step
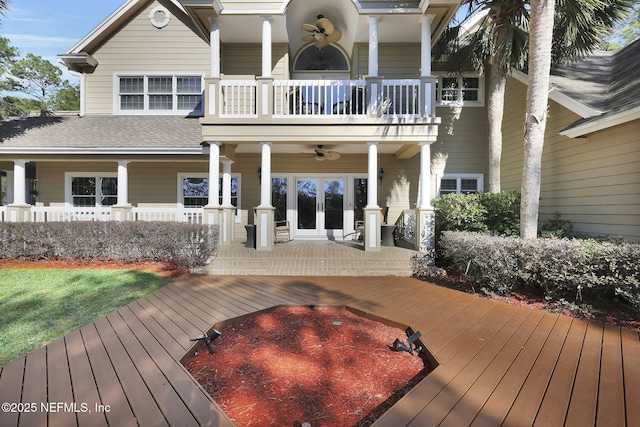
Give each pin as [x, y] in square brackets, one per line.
[311, 258]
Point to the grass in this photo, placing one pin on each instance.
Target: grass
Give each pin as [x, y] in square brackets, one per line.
[39, 306]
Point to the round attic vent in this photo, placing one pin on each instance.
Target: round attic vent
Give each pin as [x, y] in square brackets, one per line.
[160, 17]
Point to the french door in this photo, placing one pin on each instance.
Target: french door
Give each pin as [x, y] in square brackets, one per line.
[320, 207]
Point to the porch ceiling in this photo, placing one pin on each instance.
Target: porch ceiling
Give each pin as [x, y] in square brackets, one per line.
[278, 148]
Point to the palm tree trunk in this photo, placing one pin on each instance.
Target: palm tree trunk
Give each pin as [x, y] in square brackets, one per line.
[495, 109]
[540, 40]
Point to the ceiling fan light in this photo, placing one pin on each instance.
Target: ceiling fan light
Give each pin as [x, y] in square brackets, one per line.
[319, 36]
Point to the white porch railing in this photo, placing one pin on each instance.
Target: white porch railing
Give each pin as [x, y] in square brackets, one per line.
[406, 226]
[64, 213]
[190, 215]
[374, 97]
[70, 213]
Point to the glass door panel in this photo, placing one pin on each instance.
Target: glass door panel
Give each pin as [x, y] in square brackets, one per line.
[307, 204]
[333, 204]
[320, 204]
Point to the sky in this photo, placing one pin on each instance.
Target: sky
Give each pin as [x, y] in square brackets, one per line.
[50, 27]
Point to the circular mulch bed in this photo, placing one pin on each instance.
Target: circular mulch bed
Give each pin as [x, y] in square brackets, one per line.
[306, 366]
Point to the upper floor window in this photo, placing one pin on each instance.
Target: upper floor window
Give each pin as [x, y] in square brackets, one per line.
[158, 94]
[460, 91]
[460, 183]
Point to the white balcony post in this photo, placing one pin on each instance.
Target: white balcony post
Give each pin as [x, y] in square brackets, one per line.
[372, 176]
[214, 44]
[123, 183]
[265, 180]
[425, 175]
[266, 46]
[372, 214]
[226, 183]
[19, 183]
[373, 46]
[425, 50]
[214, 173]
[265, 212]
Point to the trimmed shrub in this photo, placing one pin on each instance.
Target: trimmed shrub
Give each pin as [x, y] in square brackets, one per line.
[494, 213]
[560, 268]
[184, 244]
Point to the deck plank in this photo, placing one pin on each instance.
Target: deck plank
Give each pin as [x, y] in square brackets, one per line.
[526, 405]
[584, 399]
[468, 407]
[631, 364]
[555, 403]
[141, 401]
[171, 343]
[11, 384]
[611, 406]
[59, 383]
[85, 390]
[35, 388]
[109, 386]
[169, 324]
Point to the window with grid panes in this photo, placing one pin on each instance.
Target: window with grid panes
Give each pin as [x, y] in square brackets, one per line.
[162, 93]
[459, 91]
[90, 191]
[463, 183]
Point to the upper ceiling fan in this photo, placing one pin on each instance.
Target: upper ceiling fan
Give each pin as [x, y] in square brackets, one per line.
[322, 155]
[323, 33]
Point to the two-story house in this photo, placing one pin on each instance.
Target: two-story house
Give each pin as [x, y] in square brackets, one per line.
[319, 114]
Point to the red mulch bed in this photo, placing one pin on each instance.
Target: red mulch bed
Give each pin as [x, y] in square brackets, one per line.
[295, 367]
[166, 269]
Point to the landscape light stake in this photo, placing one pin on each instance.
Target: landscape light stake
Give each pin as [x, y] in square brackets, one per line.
[409, 346]
[207, 339]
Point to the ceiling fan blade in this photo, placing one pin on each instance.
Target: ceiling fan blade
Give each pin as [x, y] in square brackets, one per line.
[322, 43]
[308, 38]
[332, 155]
[335, 36]
[311, 28]
[326, 25]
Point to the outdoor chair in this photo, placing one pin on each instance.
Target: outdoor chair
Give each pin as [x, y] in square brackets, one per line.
[282, 227]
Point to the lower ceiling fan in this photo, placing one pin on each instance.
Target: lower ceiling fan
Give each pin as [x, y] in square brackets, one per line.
[323, 33]
[322, 154]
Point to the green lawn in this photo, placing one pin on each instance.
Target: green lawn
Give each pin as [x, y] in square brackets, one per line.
[38, 306]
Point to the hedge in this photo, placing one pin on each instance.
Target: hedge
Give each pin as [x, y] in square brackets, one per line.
[184, 244]
[560, 268]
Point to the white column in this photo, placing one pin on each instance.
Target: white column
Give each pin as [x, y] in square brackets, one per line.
[19, 182]
[266, 46]
[373, 46]
[265, 180]
[9, 195]
[214, 46]
[372, 176]
[226, 183]
[425, 175]
[425, 50]
[123, 183]
[214, 173]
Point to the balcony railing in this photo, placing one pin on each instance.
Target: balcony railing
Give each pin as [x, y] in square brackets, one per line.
[70, 213]
[373, 97]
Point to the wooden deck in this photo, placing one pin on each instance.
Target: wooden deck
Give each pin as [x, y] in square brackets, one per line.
[499, 364]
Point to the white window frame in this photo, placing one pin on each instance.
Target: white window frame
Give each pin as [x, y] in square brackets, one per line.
[460, 102]
[68, 180]
[146, 111]
[459, 177]
[237, 176]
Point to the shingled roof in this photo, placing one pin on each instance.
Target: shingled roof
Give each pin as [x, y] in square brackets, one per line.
[605, 81]
[101, 132]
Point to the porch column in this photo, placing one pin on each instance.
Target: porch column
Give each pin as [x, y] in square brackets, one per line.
[228, 210]
[265, 212]
[372, 214]
[266, 46]
[10, 184]
[425, 50]
[212, 209]
[373, 46]
[214, 45]
[19, 210]
[122, 209]
[424, 230]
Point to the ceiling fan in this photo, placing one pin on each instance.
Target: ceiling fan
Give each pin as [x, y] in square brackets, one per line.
[322, 155]
[323, 33]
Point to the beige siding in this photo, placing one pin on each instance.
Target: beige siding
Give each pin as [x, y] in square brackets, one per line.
[140, 47]
[593, 181]
[246, 59]
[395, 61]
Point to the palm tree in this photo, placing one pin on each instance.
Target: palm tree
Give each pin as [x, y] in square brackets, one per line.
[501, 40]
